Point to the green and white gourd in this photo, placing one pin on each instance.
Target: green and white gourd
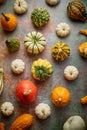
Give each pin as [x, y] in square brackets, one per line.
[34, 42]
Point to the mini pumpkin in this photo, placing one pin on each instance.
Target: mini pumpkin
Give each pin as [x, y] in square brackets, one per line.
[9, 22]
[20, 6]
[34, 42]
[22, 122]
[60, 96]
[83, 31]
[71, 72]
[76, 10]
[40, 17]
[63, 29]
[60, 51]
[41, 69]
[83, 49]
[83, 100]
[52, 2]
[13, 44]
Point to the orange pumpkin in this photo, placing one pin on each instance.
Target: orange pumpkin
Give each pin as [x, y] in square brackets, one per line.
[9, 22]
[60, 96]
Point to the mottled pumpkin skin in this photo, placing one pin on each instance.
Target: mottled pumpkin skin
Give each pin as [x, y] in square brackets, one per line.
[22, 122]
[11, 24]
[60, 96]
[76, 10]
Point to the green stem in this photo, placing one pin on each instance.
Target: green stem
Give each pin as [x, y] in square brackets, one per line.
[6, 18]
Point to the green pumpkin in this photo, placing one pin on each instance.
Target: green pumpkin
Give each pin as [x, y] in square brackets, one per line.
[76, 10]
[13, 44]
[40, 17]
[60, 51]
[34, 42]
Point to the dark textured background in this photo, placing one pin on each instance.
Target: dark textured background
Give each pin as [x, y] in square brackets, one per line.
[78, 87]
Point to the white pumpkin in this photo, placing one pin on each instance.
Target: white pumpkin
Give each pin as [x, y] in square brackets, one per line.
[20, 6]
[17, 66]
[63, 29]
[7, 108]
[74, 123]
[34, 42]
[1, 79]
[52, 2]
[71, 72]
[42, 111]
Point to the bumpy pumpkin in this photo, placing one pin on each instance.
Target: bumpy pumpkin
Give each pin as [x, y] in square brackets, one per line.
[20, 6]
[76, 10]
[41, 69]
[40, 17]
[26, 91]
[83, 49]
[34, 42]
[9, 22]
[60, 51]
[13, 44]
[60, 96]
[22, 122]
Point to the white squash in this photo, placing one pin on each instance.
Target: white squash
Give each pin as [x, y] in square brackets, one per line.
[71, 72]
[74, 123]
[20, 6]
[63, 29]
[1, 79]
[42, 111]
[52, 2]
[17, 66]
[7, 108]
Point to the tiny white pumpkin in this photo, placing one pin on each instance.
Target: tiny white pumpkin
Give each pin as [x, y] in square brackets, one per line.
[42, 111]
[71, 72]
[17, 66]
[52, 2]
[74, 123]
[20, 6]
[34, 42]
[7, 108]
[63, 29]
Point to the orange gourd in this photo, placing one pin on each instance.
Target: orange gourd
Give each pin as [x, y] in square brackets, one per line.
[60, 96]
[84, 100]
[83, 31]
[2, 126]
[9, 22]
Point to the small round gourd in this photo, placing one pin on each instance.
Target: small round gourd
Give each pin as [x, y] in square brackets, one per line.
[42, 111]
[60, 51]
[7, 108]
[60, 96]
[71, 72]
[52, 2]
[77, 11]
[20, 6]
[83, 49]
[40, 17]
[9, 22]
[63, 29]
[34, 42]
[41, 69]
[13, 44]
[17, 66]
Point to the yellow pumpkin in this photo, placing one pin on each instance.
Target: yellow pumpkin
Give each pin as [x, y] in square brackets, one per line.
[60, 96]
[9, 22]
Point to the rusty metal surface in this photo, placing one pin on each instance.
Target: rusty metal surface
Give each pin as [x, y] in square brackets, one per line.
[78, 87]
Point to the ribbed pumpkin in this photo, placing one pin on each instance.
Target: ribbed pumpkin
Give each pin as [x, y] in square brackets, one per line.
[41, 69]
[22, 122]
[76, 10]
[34, 42]
[60, 51]
[83, 49]
[13, 44]
[9, 22]
[60, 96]
[40, 17]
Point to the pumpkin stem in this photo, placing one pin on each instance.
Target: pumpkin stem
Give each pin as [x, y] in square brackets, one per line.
[27, 92]
[6, 18]
[60, 99]
[19, 3]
